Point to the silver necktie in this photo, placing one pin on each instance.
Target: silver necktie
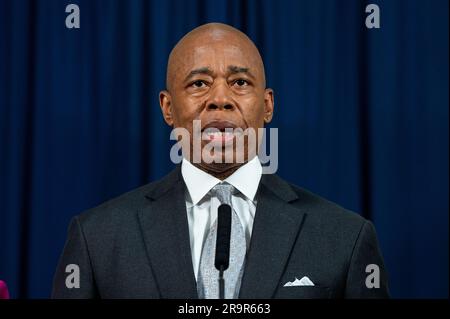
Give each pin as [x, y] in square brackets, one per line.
[208, 277]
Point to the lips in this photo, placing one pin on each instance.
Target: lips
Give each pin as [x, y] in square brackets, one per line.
[219, 125]
[220, 131]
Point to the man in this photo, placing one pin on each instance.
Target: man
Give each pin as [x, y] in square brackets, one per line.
[158, 241]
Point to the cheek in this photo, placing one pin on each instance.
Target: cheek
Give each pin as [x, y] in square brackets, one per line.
[185, 110]
[253, 111]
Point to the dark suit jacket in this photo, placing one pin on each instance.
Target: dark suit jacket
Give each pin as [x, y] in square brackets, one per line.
[137, 246]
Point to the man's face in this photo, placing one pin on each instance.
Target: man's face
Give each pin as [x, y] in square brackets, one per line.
[219, 80]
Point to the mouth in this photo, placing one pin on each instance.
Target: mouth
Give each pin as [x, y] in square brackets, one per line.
[220, 131]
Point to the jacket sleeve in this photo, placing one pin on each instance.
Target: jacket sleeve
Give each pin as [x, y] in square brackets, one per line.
[74, 275]
[367, 276]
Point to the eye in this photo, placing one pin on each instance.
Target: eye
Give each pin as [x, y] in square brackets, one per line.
[241, 82]
[198, 84]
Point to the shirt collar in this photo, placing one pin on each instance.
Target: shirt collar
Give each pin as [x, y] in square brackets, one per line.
[245, 179]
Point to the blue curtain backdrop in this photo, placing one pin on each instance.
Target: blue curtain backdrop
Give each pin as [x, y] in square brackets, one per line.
[362, 117]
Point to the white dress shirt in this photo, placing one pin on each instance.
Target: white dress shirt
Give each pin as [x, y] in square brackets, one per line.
[202, 208]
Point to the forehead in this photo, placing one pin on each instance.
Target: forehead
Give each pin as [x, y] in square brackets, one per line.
[217, 55]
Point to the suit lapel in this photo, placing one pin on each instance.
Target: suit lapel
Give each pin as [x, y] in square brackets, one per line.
[166, 235]
[275, 229]
[165, 231]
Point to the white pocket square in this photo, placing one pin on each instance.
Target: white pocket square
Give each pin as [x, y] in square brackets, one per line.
[305, 281]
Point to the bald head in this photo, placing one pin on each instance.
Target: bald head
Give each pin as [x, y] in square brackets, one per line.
[218, 38]
[215, 75]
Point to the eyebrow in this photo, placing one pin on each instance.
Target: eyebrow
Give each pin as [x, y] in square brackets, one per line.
[203, 70]
[232, 69]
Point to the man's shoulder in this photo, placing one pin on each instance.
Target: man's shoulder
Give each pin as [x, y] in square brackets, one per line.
[126, 205]
[317, 204]
[324, 212]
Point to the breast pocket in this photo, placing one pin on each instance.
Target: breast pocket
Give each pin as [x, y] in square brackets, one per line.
[303, 292]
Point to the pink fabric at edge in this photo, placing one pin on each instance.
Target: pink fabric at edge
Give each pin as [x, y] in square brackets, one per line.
[4, 294]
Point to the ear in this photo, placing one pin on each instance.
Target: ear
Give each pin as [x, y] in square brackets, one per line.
[165, 101]
[268, 105]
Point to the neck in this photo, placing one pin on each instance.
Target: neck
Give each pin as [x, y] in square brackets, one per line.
[220, 171]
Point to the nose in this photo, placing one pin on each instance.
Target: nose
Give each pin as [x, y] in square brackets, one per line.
[220, 98]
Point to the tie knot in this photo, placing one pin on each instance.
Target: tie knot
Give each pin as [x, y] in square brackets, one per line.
[223, 192]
